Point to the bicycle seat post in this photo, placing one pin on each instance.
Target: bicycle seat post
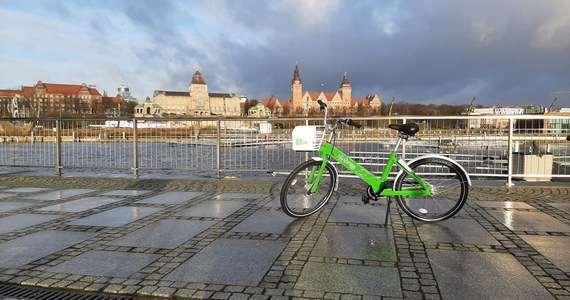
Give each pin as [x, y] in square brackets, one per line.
[400, 138]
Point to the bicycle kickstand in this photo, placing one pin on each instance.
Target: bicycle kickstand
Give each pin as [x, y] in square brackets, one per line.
[387, 211]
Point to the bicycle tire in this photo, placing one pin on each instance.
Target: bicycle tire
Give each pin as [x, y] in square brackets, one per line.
[294, 197]
[450, 189]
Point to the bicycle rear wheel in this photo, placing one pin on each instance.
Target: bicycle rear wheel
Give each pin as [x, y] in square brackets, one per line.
[296, 198]
[449, 184]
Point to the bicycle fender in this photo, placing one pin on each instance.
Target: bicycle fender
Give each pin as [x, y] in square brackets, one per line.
[335, 170]
[438, 157]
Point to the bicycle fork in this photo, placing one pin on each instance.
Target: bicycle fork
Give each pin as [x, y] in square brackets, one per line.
[312, 182]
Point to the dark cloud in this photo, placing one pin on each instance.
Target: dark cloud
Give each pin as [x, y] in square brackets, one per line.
[446, 52]
[507, 52]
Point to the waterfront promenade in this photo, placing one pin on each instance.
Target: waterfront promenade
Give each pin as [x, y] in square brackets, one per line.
[119, 238]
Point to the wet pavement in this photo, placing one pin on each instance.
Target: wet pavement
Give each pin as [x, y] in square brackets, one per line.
[228, 239]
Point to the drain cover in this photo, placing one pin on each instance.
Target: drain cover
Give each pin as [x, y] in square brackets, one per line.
[35, 293]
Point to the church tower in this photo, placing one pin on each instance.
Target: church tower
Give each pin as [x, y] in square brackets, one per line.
[346, 91]
[296, 89]
[200, 99]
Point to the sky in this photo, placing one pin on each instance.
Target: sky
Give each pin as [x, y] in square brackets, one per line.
[508, 52]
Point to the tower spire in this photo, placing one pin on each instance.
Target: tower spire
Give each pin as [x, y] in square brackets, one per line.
[345, 79]
[296, 75]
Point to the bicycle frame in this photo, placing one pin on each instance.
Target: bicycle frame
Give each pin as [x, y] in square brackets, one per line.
[378, 184]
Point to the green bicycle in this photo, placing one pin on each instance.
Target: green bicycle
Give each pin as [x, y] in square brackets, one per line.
[429, 188]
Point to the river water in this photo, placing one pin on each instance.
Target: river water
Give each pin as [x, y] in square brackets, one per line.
[201, 159]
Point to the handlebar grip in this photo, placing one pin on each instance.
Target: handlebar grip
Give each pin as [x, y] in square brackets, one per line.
[321, 104]
[352, 123]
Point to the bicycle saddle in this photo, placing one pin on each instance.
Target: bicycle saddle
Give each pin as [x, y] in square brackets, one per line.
[407, 129]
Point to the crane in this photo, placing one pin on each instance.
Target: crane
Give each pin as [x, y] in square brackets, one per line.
[554, 101]
[552, 105]
[469, 109]
[471, 105]
[391, 105]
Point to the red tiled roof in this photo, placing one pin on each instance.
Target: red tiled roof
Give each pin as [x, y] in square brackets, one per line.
[329, 95]
[27, 91]
[59, 88]
[56, 88]
[314, 96]
[9, 93]
[94, 91]
[357, 102]
[270, 102]
[114, 100]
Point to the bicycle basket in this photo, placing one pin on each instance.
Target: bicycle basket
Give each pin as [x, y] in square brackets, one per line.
[308, 138]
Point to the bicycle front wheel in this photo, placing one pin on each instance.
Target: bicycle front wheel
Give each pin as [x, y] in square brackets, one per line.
[449, 185]
[296, 198]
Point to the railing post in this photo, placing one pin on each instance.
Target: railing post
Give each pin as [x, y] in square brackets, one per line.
[307, 153]
[135, 150]
[404, 120]
[218, 148]
[58, 166]
[510, 154]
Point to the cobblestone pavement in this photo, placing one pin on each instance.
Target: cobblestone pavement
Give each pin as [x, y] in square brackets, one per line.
[229, 239]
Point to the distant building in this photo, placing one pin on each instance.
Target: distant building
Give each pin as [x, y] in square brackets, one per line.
[125, 92]
[120, 104]
[148, 109]
[493, 111]
[6, 102]
[52, 98]
[197, 101]
[341, 100]
[499, 110]
[259, 110]
[275, 107]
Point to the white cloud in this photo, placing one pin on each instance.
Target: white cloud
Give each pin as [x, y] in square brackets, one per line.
[310, 15]
[419, 50]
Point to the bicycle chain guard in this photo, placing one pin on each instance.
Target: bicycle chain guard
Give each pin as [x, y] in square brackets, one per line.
[370, 195]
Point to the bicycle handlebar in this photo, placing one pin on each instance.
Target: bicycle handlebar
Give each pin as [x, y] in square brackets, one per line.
[351, 122]
[323, 106]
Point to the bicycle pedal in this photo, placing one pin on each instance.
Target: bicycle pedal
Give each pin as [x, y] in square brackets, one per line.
[365, 199]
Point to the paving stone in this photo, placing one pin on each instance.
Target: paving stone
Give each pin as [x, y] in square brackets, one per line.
[342, 252]
[126, 193]
[59, 194]
[13, 205]
[26, 190]
[80, 205]
[474, 275]
[105, 263]
[504, 204]
[459, 231]
[328, 277]
[20, 221]
[562, 206]
[213, 209]
[356, 243]
[274, 203]
[5, 195]
[530, 221]
[171, 198]
[18, 252]
[351, 213]
[249, 196]
[229, 261]
[269, 222]
[116, 217]
[554, 248]
[164, 234]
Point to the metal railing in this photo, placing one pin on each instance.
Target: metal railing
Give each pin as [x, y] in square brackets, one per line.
[529, 147]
